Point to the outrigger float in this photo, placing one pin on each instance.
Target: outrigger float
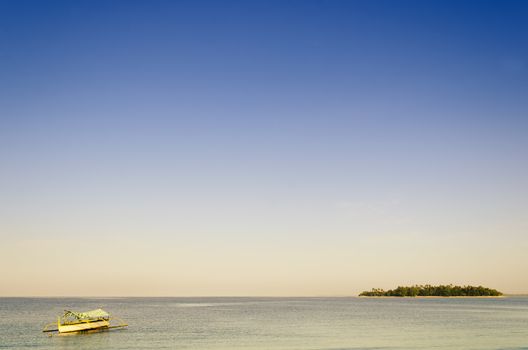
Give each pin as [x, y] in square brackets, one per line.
[94, 320]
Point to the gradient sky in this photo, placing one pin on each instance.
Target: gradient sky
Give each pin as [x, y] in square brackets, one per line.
[262, 148]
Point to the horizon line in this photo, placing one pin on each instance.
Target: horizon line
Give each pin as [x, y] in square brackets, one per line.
[215, 296]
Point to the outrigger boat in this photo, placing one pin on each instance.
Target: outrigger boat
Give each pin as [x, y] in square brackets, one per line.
[83, 321]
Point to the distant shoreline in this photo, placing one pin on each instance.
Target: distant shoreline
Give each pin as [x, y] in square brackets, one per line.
[435, 297]
[428, 290]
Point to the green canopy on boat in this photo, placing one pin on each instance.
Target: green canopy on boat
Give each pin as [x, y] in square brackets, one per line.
[99, 313]
[88, 315]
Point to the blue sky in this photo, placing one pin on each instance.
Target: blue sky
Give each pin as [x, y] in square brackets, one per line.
[314, 135]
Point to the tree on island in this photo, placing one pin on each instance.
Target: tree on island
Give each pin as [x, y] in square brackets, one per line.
[429, 290]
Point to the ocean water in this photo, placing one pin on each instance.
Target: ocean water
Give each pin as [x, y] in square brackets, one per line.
[276, 323]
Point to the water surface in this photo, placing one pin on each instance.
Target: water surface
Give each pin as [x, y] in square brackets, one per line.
[276, 323]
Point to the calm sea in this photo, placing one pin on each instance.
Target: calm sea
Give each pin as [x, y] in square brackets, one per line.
[276, 323]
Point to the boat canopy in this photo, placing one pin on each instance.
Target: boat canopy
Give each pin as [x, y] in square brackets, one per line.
[99, 313]
[88, 315]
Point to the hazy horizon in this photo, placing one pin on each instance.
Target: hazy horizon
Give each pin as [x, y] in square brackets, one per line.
[292, 148]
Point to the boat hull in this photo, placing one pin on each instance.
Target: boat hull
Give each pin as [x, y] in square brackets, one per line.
[84, 326]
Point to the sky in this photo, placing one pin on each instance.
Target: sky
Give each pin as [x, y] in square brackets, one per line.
[271, 148]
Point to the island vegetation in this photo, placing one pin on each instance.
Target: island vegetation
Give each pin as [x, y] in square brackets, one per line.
[433, 291]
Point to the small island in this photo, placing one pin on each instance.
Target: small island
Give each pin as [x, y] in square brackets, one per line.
[433, 291]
